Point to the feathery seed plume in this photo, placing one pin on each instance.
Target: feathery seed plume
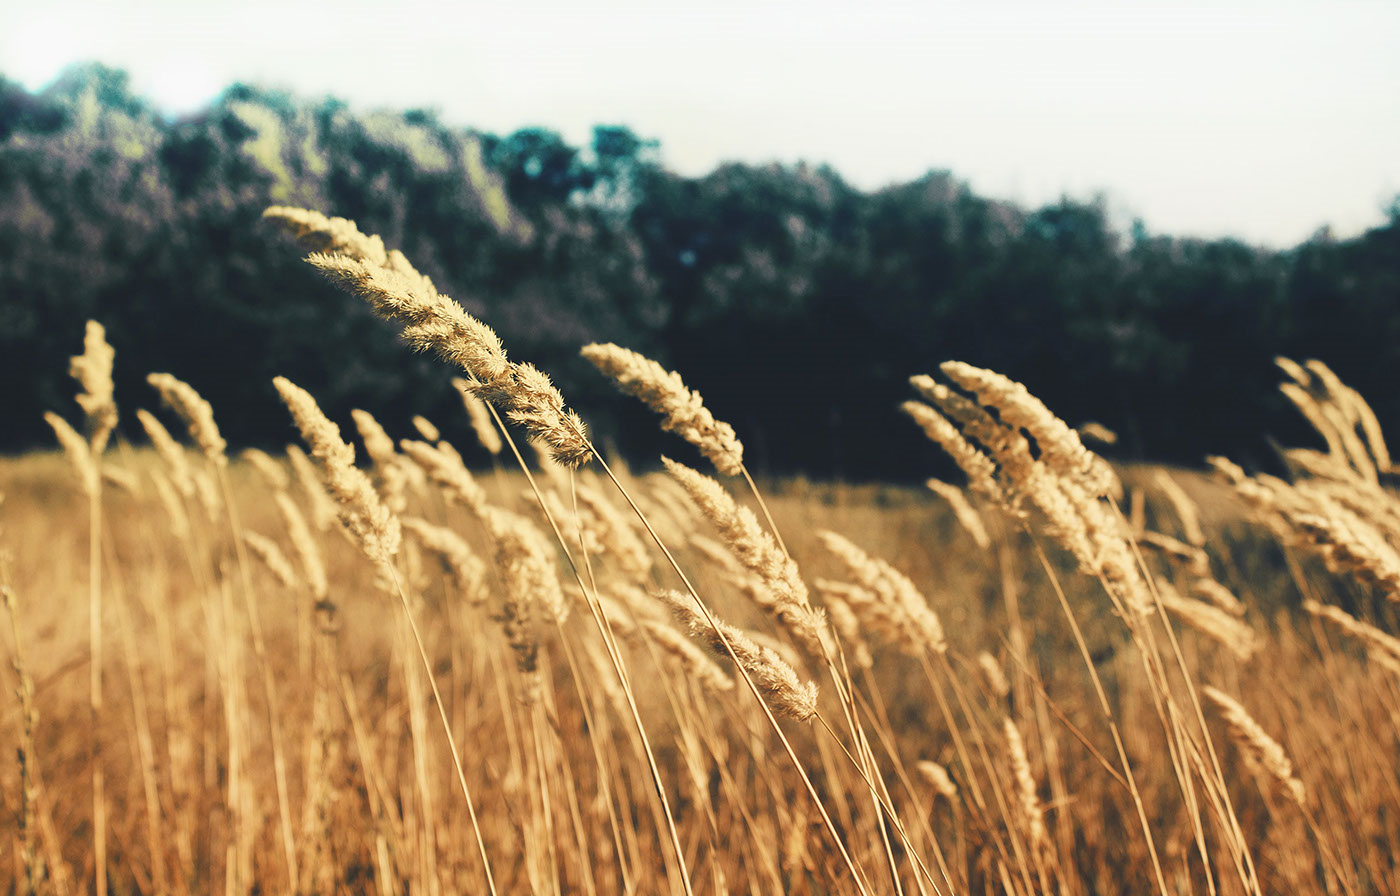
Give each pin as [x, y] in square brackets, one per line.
[174, 509]
[525, 563]
[844, 619]
[78, 451]
[480, 417]
[537, 405]
[979, 469]
[1294, 370]
[434, 322]
[1185, 508]
[1065, 481]
[938, 776]
[1193, 558]
[273, 473]
[307, 550]
[1211, 590]
[616, 532]
[467, 569]
[895, 608]
[1025, 783]
[1381, 647]
[1311, 409]
[271, 555]
[1258, 747]
[121, 478]
[93, 371]
[426, 428]
[774, 678]
[170, 451]
[444, 466]
[995, 675]
[759, 553]
[966, 514]
[1060, 447]
[319, 233]
[1211, 621]
[323, 512]
[388, 465]
[1097, 432]
[665, 393]
[695, 662]
[359, 505]
[195, 411]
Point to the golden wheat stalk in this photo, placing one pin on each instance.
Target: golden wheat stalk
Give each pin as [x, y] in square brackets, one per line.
[426, 428]
[323, 512]
[25, 753]
[1185, 508]
[379, 534]
[697, 665]
[938, 776]
[979, 468]
[1061, 478]
[527, 569]
[837, 599]
[1355, 411]
[1219, 595]
[313, 568]
[994, 674]
[1193, 558]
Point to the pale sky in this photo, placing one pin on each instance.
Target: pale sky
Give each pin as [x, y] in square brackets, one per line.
[1263, 120]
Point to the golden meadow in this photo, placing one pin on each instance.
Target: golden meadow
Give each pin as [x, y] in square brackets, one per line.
[386, 663]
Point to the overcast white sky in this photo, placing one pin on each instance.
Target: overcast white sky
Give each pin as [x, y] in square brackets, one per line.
[1263, 120]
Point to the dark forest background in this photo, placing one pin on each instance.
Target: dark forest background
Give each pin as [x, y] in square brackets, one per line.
[795, 303]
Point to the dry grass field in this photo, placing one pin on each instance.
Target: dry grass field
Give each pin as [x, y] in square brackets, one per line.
[425, 674]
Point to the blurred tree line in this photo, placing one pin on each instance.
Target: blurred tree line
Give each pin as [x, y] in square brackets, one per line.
[795, 303]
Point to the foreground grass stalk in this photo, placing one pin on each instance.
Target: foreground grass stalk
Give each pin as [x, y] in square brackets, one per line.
[25, 753]
[1231, 818]
[763, 704]
[446, 728]
[614, 655]
[274, 723]
[884, 804]
[1108, 714]
[99, 798]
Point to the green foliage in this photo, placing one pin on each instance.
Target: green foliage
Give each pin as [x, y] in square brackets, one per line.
[795, 303]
